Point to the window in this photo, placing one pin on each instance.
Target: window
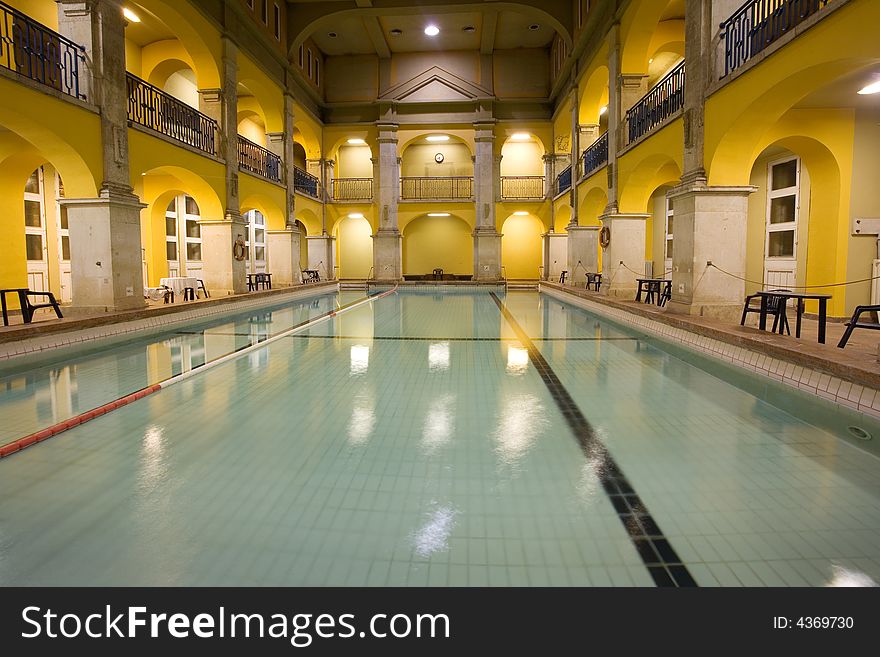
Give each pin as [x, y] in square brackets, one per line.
[310, 63]
[782, 206]
[182, 227]
[277, 12]
[264, 11]
[669, 219]
[256, 242]
[300, 56]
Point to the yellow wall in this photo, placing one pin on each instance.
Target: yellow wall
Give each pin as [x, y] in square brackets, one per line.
[250, 129]
[521, 247]
[354, 246]
[522, 159]
[354, 162]
[418, 160]
[431, 242]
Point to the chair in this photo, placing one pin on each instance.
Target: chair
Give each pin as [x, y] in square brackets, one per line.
[189, 294]
[562, 275]
[202, 287]
[775, 307]
[169, 293]
[665, 294]
[595, 280]
[854, 323]
[438, 274]
[28, 309]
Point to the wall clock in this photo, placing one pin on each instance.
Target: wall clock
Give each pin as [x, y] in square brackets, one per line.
[438, 158]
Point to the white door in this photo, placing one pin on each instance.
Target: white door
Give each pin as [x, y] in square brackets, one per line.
[172, 253]
[63, 244]
[783, 206]
[183, 237]
[35, 233]
[668, 242]
[256, 242]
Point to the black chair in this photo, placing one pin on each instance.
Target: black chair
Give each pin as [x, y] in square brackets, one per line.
[593, 279]
[438, 274]
[563, 275]
[169, 294]
[775, 307]
[201, 286]
[665, 294]
[28, 309]
[189, 294]
[854, 323]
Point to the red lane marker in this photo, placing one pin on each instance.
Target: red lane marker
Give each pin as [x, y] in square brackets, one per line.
[82, 418]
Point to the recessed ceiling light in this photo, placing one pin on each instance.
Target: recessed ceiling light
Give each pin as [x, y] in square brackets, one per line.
[356, 215]
[603, 109]
[432, 30]
[534, 26]
[651, 61]
[520, 136]
[437, 138]
[871, 89]
[356, 141]
[395, 32]
[332, 35]
[130, 15]
[468, 28]
[521, 213]
[438, 214]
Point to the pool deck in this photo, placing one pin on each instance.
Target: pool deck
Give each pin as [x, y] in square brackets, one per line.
[801, 362]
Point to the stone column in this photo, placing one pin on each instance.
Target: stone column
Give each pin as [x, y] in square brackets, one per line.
[322, 255]
[387, 257]
[555, 255]
[105, 235]
[549, 173]
[627, 247]
[711, 223]
[583, 253]
[283, 247]
[614, 114]
[487, 239]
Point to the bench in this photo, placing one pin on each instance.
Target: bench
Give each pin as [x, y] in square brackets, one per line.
[854, 323]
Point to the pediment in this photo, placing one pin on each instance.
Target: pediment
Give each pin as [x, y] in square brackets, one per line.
[436, 85]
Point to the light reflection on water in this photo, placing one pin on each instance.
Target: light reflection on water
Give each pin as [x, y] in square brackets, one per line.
[433, 536]
[362, 421]
[521, 419]
[439, 423]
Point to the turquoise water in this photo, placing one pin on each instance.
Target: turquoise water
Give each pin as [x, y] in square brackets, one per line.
[413, 441]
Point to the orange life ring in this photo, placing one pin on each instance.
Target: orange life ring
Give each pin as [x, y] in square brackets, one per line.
[239, 249]
[605, 237]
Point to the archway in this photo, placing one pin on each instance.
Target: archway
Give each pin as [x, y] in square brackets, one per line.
[440, 242]
[354, 247]
[521, 246]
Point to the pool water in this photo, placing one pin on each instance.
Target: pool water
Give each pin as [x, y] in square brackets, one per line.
[423, 440]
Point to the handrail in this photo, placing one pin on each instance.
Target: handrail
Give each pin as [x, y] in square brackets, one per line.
[152, 108]
[563, 181]
[758, 23]
[522, 187]
[430, 187]
[31, 49]
[259, 160]
[596, 155]
[351, 189]
[663, 100]
[306, 183]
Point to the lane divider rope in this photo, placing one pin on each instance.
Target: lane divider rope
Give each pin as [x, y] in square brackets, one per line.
[60, 427]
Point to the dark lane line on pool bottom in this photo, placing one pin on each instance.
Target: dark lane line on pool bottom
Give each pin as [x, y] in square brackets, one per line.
[658, 555]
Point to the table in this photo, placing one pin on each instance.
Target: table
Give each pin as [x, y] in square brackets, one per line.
[178, 283]
[801, 297]
[311, 274]
[651, 286]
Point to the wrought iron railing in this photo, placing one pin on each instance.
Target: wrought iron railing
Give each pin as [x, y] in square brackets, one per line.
[306, 183]
[758, 23]
[596, 155]
[152, 108]
[522, 187]
[352, 189]
[563, 181]
[261, 161]
[661, 102]
[34, 51]
[449, 187]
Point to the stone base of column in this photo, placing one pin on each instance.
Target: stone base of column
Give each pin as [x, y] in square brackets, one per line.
[583, 253]
[387, 259]
[710, 226]
[322, 255]
[555, 255]
[487, 254]
[282, 248]
[221, 271]
[625, 254]
[105, 252]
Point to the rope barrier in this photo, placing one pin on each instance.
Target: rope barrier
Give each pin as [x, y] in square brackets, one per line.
[798, 287]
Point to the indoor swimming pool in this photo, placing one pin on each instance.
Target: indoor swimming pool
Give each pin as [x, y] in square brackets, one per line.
[435, 437]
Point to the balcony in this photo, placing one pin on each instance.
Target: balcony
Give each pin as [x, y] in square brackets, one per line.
[758, 23]
[306, 183]
[522, 188]
[664, 100]
[450, 188]
[260, 161]
[152, 108]
[563, 181]
[34, 51]
[596, 156]
[351, 189]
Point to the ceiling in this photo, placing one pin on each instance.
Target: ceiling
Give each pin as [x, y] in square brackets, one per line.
[843, 92]
[149, 30]
[371, 34]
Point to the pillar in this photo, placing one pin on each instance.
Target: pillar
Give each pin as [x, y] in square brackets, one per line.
[487, 239]
[283, 253]
[627, 247]
[583, 253]
[387, 256]
[105, 235]
[322, 255]
[555, 255]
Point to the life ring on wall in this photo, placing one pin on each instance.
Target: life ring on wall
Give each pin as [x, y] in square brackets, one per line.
[239, 249]
[605, 237]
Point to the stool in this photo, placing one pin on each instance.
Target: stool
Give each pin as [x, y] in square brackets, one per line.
[203, 288]
[189, 294]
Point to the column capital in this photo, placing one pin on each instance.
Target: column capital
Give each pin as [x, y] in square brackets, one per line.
[211, 95]
[631, 80]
